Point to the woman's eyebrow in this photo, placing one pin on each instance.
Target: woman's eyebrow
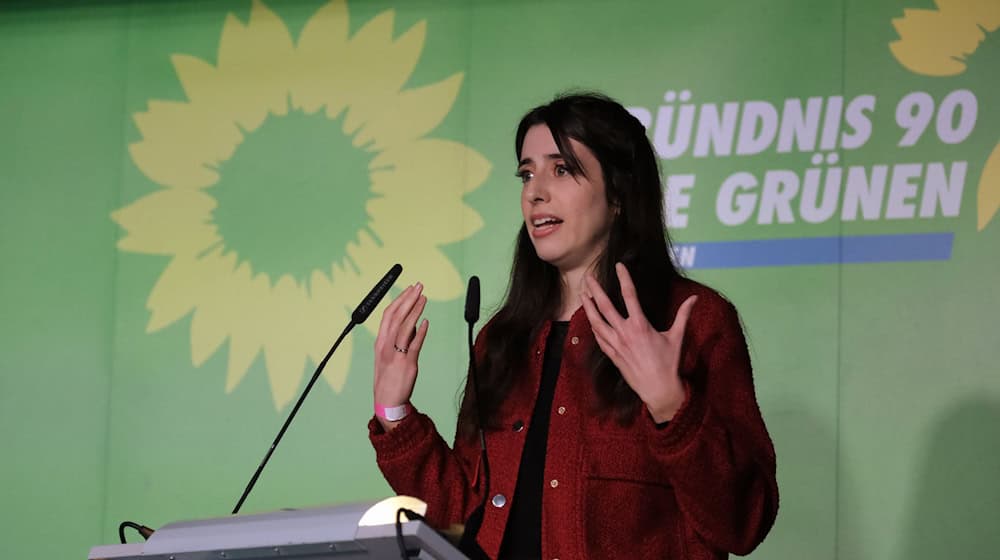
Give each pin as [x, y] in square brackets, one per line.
[526, 161]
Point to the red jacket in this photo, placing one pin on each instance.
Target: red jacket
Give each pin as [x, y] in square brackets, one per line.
[696, 490]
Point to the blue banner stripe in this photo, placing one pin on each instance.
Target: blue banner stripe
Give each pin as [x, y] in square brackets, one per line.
[816, 250]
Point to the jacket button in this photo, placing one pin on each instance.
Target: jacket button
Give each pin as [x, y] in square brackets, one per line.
[561, 410]
[575, 340]
[499, 500]
[518, 426]
[553, 483]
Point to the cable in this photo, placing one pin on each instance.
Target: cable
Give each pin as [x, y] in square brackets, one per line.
[141, 529]
[411, 516]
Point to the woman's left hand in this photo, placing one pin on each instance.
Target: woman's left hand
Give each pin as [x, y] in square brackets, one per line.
[648, 359]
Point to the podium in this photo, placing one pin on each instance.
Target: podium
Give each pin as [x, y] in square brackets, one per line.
[345, 532]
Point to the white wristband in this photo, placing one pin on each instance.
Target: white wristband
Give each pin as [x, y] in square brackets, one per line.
[392, 413]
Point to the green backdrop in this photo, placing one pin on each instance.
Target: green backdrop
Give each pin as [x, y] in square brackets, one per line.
[195, 194]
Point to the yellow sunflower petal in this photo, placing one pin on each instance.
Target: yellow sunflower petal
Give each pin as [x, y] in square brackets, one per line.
[412, 114]
[285, 350]
[988, 195]
[181, 144]
[175, 293]
[428, 168]
[369, 261]
[248, 324]
[242, 353]
[329, 302]
[168, 222]
[329, 310]
[427, 177]
[212, 320]
[441, 279]
[339, 366]
[985, 13]
[422, 262]
[257, 60]
[430, 222]
[211, 100]
[386, 66]
[931, 41]
[321, 51]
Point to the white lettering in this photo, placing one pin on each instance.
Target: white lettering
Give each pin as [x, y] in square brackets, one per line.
[902, 190]
[811, 212]
[831, 123]
[802, 128]
[678, 199]
[733, 209]
[715, 133]
[780, 187]
[864, 194]
[860, 123]
[758, 127]
[684, 255]
[943, 192]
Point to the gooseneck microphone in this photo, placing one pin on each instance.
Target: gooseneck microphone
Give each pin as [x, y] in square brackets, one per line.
[361, 313]
[471, 316]
[378, 292]
[472, 304]
[468, 544]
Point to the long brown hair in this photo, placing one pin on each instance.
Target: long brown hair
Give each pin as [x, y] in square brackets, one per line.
[638, 238]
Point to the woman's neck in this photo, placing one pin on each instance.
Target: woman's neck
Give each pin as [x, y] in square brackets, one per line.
[572, 287]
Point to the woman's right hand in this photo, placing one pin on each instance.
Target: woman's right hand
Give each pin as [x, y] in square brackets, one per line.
[397, 348]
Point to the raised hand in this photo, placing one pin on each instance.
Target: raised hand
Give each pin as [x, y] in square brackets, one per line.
[397, 349]
[649, 360]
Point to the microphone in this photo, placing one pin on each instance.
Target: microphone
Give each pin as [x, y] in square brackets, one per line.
[362, 312]
[468, 545]
[368, 304]
[472, 302]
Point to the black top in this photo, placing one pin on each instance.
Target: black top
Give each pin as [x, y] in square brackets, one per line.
[523, 536]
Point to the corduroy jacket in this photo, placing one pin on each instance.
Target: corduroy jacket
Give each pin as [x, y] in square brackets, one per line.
[698, 489]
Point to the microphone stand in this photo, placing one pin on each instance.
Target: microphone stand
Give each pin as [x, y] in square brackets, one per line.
[361, 313]
[468, 545]
[291, 416]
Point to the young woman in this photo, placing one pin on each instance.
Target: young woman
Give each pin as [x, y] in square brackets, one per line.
[618, 398]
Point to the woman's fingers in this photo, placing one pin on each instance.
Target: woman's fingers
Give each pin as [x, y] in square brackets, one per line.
[406, 329]
[681, 319]
[597, 323]
[390, 312]
[396, 370]
[629, 293]
[394, 317]
[603, 302]
[607, 347]
[418, 339]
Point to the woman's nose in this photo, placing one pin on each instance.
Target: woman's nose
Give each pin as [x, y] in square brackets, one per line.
[537, 190]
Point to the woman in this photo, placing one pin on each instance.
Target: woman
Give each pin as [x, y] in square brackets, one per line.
[620, 412]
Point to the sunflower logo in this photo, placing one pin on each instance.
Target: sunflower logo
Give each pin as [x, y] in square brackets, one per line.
[937, 43]
[292, 177]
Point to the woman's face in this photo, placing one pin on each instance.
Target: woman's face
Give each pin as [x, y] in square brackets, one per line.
[567, 216]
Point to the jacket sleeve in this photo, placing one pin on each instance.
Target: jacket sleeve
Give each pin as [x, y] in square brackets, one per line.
[716, 451]
[416, 461]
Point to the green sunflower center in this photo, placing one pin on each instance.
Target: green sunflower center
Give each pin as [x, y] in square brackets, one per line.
[293, 195]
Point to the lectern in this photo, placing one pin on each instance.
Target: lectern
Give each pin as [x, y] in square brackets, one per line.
[345, 532]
